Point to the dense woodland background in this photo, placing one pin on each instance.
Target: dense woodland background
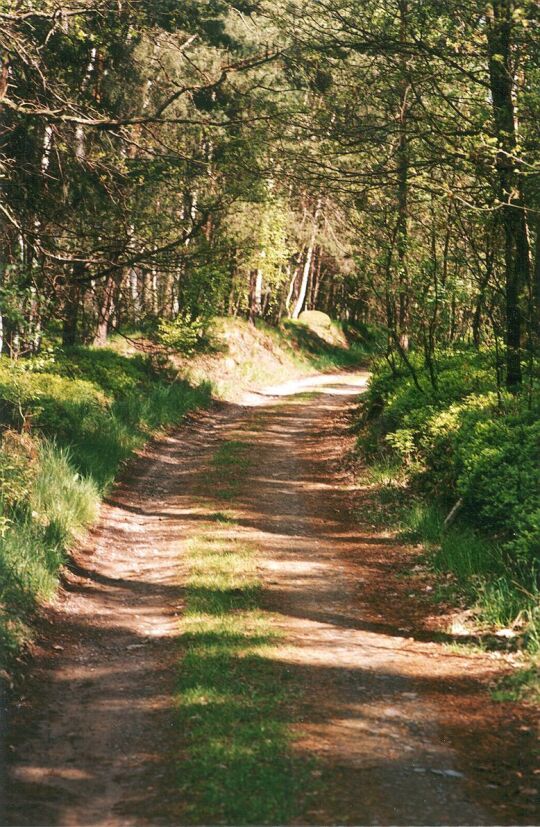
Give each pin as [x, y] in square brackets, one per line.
[163, 163]
[376, 160]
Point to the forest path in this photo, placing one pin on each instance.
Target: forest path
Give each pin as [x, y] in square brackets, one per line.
[401, 725]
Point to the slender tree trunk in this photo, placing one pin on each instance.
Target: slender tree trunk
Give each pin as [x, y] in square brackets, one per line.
[2, 271]
[478, 311]
[517, 254]
[316, 282]
[403, 165]
[80, 146]
[292, 284]
[307, 262]
[536, 288]
[71, 315]
[258, 291]
[106, 310]
[254, 302]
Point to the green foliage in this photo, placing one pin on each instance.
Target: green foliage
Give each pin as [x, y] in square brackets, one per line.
[183, 334]
[115, 374]
[85, 419]
[40, 526]
[99, 403]
[323, 354]
[502, 595]
[523, 684]
[54, 403]
[463, 439]
[17, 469]
[466, 440]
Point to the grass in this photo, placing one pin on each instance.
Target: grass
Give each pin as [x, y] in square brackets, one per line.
[324, 355]
[522, 685]
[88, 412]
[227, 470]
[232, 696]
[100, 448]
[502, 595]
[34, 543]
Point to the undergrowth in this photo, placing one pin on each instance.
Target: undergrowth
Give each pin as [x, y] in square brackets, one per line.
[503, 595]
[68, 424]
[523, 684]
[36, 534]
[462, 442]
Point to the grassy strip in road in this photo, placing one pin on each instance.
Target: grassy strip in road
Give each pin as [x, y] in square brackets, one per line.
[232, 697]
[228, 467]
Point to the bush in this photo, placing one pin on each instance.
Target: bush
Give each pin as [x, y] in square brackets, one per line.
[17, 469]
[53, 403]
[114, 374]
[183, 334]
[463, 439]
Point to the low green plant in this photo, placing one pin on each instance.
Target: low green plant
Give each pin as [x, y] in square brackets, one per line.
[463, 439]
[183, 334]
[232, 697]
[464, 442]
[227, 470]
[502, 595]
[69, 423]
[58, 504]
[521, 685]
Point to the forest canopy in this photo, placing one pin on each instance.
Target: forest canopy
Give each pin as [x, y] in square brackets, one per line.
[374, 159]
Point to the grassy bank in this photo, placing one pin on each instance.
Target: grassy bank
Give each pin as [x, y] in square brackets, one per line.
[71, 418]
[460, 443]
[68, 424]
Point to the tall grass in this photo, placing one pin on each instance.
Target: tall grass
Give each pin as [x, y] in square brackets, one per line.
[502, 593]
[34, 543]
[90, 411]
[107, 439]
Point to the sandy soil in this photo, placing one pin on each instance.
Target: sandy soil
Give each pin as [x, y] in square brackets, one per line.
[402, 725]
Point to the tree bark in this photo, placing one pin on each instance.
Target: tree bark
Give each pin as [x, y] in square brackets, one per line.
[517, 254]
[536, 289]
[403, 165]
[106, 311]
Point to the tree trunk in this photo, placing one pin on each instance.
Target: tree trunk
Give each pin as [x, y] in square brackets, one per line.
[403, 164]
[517, 254]
[535, 325]
[71, 306]
[307, 263]
[106, 311]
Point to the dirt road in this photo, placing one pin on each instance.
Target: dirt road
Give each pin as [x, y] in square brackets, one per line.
[401, 724]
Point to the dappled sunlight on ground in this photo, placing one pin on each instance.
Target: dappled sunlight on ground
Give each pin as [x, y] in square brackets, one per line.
[398, 724]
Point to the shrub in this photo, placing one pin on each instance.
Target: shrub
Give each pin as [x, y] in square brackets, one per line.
[464, 439]
[183, 334]
[115, 374]
[17, 468]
